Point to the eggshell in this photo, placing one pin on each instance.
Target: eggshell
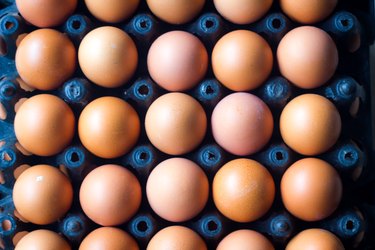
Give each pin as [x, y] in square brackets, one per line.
[112, 11]
[245, 240]
[243, 190]
[315, 239]
[311, 189]
[310, 124]
[42, 240]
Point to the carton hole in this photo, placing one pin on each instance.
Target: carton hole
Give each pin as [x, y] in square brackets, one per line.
[212, 225]
[349, 225]
[276, 23]
[76, 24]
[209, 24]
[143, 90]
[74, 157]
[345, 22]
[142, 226]
[9, 25]
[279, 156]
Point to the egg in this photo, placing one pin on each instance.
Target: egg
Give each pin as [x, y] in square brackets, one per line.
[177, 61]
[311, 189]
[110, 195]
[242, 123]
[109, 127]
[176, 11]
[112, 11]
[176, 238]
[243, 190]
[177, 189]
[45, 59]
[175, 123]
[42, 240]
[42, 194]
[245, 239]
[108, 56]
[46, 13]
[110, 238]
[307, 57]
[310, 118]
[44, 125]
[316, 239]
[242, 11]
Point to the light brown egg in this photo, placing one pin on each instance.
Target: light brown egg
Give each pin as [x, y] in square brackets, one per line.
[311, 189]
[44, 125]
[242, 60]
[177, 61]
[177, 189]
[175, 123]
[243, 190]
[315, 239]
[112, 11]
[242, 123]
[310, 124]
[307, 56]
[245, 240]
[45, 58]
[108, 127]
[108, 56]
[176, 238]
[42, 240]
[110, 195]
[110, 238]
[42, 194]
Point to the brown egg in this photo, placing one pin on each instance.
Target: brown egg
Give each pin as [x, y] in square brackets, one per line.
[110, 195]
[112, 11]
[42, 194]
[176, 238]
[245, 240]
[315, 239]
[243, 190]
[175, 123]
[42, 240]
[110, 238]
[176, 11]
[45, 58]
[44, 125]
[108, 56]
[311, 189]
[177, 189]
[177, 60]
[307, 57]
[109, 127]
[242, 11]
[46, 13]
[242, 60]
[242, 123]
[310, 124]
[308, 12]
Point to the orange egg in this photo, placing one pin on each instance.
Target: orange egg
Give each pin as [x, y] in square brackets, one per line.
[245, 240]
[44, 125]
[112, 11]
[42, 194]
[243, 190]
[310, 124]
[45, 58]
[242, 60]
[42, 240]
[315, 239]
[311, 189]
[109, 127]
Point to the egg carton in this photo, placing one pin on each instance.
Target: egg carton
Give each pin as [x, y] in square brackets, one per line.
[350, 90]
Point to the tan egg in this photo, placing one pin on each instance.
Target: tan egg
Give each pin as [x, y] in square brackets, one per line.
[242, 11]
[44, 125]
[245, 240]
[310, 124]
[42, 240]
[109, 127]
[112, 11]
[242, 123]
[311, 189]
[307, 56]
[110, 238]
[108, 56]
[175, 123]
[45, 59]
[176, 11]
[110, 195]
[42, 194]
[243, 190]
[315, 239]
[177, 189]
[176, 238]
[177, 61]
